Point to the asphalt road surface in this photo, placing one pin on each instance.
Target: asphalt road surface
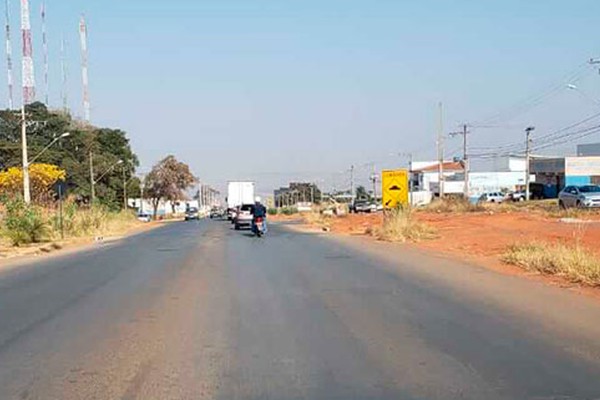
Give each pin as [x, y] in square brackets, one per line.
[200, 311]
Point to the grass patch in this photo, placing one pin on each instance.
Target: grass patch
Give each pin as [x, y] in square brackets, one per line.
[573, 262]
[453, 205]
[401, 226]
[318, 219]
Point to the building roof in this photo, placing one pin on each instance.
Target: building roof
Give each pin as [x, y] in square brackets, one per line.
[449, 166]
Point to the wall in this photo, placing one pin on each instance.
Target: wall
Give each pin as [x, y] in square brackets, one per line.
[578, 180]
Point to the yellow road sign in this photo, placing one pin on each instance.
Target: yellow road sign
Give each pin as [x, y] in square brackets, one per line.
[395, 188]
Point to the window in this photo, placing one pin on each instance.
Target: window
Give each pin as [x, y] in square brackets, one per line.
[590, 189]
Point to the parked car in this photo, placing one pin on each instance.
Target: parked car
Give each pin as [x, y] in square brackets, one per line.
[492, 197]
[192, 214]
[519, 195]
[243, 217]
[587, 196]
[144, 217]
[364, 207]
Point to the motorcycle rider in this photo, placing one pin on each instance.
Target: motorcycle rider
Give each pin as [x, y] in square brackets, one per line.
[259, 211]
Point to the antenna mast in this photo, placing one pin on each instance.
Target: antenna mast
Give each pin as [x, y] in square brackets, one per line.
[45, 46]
[84, 68]
[27, 62]
[9, 63]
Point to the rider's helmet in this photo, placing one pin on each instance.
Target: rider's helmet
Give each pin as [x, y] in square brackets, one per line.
[257, 199]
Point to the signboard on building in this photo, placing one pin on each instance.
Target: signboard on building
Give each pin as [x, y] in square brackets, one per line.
[582, 166]
[395, 188]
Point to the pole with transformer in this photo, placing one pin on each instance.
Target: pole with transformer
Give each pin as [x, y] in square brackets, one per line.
[528, 131]
[440, 144]
[464, 133]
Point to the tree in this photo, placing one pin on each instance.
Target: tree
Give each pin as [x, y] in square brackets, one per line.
[361, 193]
[167, 181]
[71, 154]
[41, 179]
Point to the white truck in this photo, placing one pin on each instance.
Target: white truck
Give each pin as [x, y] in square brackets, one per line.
[238, 194]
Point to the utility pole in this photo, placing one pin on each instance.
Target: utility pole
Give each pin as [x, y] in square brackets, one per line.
[124, 190]
[466, 166]
[352, 183]
[374, 180]
[440, 143]
[26, 189]
[528, 131]
[92, 182]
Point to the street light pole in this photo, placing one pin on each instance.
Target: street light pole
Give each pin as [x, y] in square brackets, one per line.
[56, 139]
[527, 160]
[92, 182]
[26, 188]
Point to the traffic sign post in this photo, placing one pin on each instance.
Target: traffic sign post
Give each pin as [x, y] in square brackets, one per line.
[395, 188]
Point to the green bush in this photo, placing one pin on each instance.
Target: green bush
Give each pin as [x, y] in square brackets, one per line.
[289, 210]
[272, 211]
[24, 224]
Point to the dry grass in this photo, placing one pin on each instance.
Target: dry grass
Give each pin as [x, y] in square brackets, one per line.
[316, 218]
[452, 205]
[402, 226]
[573, 262]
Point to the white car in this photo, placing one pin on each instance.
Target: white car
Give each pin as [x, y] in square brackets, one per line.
[244, 216]
[492, 197]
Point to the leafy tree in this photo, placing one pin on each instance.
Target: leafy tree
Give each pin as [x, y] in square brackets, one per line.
[361, 193]
[41, 179]
[168, 181]
[72, 154]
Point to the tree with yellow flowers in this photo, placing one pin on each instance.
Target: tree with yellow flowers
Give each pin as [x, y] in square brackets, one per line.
[41, 178]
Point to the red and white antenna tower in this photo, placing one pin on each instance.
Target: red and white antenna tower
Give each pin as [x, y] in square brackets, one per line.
[27, 61]
[84, 68]
[45, 45]
[63, 67]
[9, 57]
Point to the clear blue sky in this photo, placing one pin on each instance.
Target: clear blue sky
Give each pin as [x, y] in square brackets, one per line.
[275, 90]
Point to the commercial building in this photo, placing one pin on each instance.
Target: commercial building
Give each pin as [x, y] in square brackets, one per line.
[588, 150]
[558, 172]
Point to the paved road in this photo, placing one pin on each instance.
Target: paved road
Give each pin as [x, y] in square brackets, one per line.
[199, 311]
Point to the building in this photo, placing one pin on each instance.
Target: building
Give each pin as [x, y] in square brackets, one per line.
[297, 192]
[556, 173]
[509, 175]
[588, 150]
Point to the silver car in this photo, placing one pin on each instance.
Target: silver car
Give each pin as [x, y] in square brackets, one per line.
[587, 196]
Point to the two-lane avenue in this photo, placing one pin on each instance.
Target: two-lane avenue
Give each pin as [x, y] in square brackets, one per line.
[199, 311]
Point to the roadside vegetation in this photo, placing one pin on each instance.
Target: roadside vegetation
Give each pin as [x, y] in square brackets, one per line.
[452, 205]
[23, 224]
[572, 262]
[400, 225]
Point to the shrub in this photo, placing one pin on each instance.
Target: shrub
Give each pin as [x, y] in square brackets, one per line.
[574, 262]
[24, 224]
[289, 210]
[400, 226]
[452, 204]
[272, 211]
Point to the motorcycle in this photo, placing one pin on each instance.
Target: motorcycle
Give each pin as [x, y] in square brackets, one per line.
[259, 226]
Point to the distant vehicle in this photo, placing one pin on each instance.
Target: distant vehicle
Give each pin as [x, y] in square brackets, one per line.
[192, 214]
[519, 195]
[492, 197]
[144, 217]
[215, 212]
[238, 194]
[364, 207]
[243, 217]
[587, 196]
